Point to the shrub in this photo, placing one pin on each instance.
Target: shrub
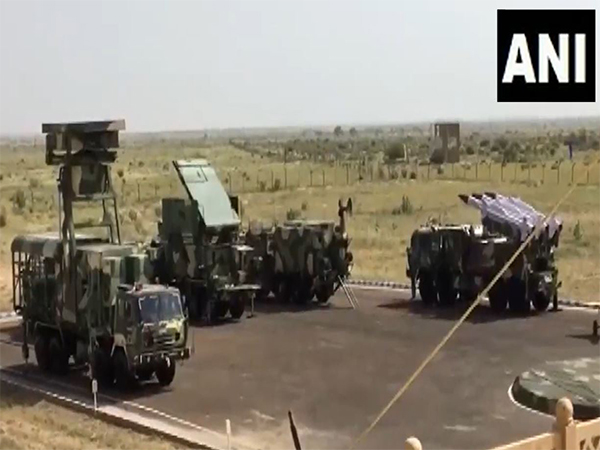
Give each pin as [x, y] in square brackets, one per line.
[404, 172]
[262, 186]
[141, 163]
[292, 214]
[34, 183]
[413, 175]
[120, 172]
[276, 184]
[133, 215]
[405, 207]
[470, 150]
[440, 170]
[3, 217]
[395, 151]
[304, 206]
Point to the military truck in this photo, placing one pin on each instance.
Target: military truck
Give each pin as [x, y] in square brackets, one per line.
[301, 259]
[198, 247]
[86, 297]
[458, 261]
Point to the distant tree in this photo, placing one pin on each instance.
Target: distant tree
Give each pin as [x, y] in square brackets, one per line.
[502, 142]
[338, 131]
[395, 151]
[509, 154]
[470, 150]
[484, 143]
[353, 132]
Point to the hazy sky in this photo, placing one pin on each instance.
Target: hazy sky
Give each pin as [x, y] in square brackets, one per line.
[189, 65]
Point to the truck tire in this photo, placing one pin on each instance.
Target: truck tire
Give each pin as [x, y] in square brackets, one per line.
[102, 368]
[211, 312]
[237, 306]
[497, 297]
[517, 295]
[165, 372]
[144, 374]
[304, 294]
[447, 294]
[540, 301]
[42, 354]
[283, 293]
[323, 295]
[59, 358]
[123, 375]
[427, 288]
[221, 309]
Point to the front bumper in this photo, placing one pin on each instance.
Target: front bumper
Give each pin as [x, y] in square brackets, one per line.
[153, 358]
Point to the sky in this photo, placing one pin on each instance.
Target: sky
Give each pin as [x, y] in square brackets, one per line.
[184, 65]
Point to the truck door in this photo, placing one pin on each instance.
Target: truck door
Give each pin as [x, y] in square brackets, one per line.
[125, 321]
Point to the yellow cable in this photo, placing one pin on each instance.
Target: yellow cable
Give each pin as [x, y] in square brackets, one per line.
[461, 320]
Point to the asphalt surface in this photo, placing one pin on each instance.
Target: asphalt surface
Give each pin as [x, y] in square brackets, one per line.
[335, 368]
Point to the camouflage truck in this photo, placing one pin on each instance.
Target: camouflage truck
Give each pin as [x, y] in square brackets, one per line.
[301, 259]
[84, 296]
[198, 247]
[458, 261]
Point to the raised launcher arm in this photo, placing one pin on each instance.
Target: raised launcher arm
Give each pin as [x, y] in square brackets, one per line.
[511, 215]
[82, 150]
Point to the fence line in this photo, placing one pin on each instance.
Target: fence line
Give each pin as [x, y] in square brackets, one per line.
[293, 176]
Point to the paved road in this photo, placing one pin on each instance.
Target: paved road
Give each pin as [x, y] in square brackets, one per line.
[335, 368]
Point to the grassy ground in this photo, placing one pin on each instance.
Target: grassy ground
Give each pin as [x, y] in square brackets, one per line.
[380, 237]
[29, 422]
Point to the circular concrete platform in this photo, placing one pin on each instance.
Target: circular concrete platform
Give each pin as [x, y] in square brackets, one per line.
[578, 379]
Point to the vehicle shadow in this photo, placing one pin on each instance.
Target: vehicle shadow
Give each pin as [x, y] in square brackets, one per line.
[77, 383]
[481, 314]
[594, 340]
[274, 306]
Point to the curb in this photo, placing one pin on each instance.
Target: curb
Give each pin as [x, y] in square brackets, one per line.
[124, 418]
[398, 285]
[538, 402]
[8, 315]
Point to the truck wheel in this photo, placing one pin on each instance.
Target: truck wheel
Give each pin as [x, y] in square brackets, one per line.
[166, 372]
[517, 295]
[303, 294]
[237, 306]
[192, 305]
[221, 309]
[540, 301]
[102, 368]
[144, 374]
[497, 297]
[59, 358]
[323, 295]
[123, 376]
[427, 288]
[446, 292]
[283, 292]
[42, 352]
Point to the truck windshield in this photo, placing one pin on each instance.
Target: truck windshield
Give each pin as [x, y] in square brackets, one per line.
[159, 307]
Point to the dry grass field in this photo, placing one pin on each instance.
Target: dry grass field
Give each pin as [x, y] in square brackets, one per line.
[379, 229]
[29, 422]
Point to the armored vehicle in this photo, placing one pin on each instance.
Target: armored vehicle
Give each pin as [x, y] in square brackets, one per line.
[458, 261]
[301, 259]
[87, 297]
[198, 247]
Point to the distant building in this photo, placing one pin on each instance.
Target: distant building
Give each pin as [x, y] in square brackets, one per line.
[445, 143]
